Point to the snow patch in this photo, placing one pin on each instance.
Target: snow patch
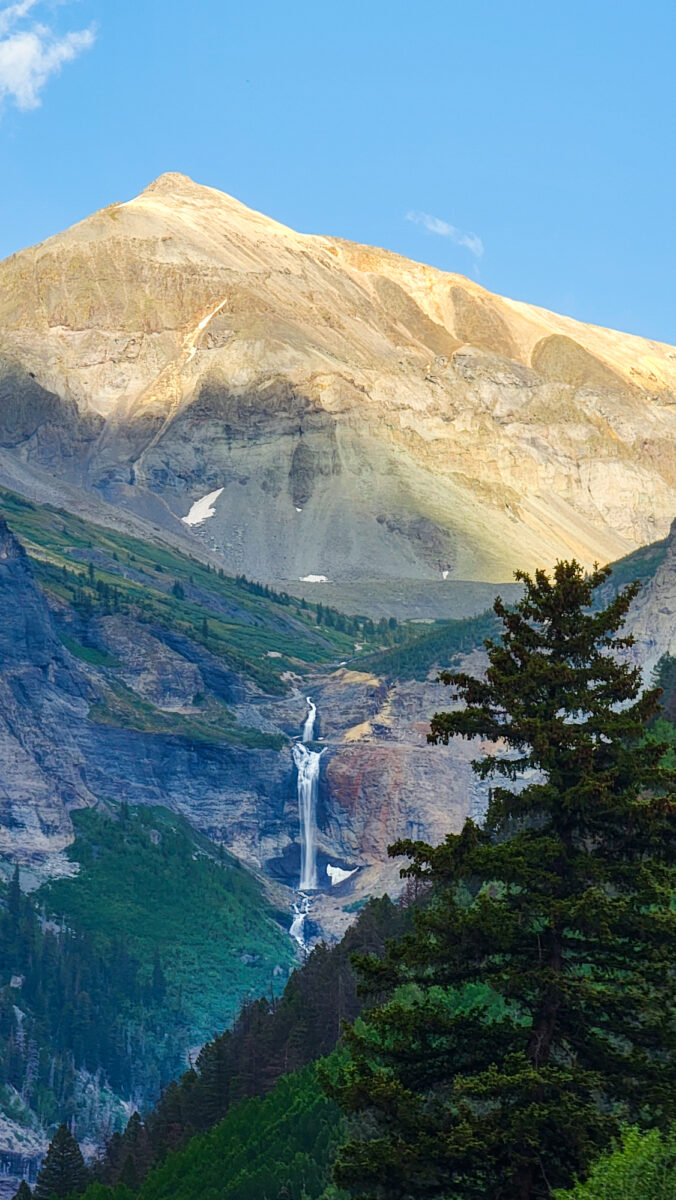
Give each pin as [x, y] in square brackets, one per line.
[313, 579]
[338, 875]
[202, 509]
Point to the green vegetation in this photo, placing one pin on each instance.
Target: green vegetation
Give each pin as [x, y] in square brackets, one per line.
[69, 1006]
[96, 570]
[520, 1018]
[255, 631]
[642, 1167]
[281, 1145]
[278, 1146]
[558, 908]
[148, 880]
[107, 979]
[436, 646]
[124, 708]
[640, 565]
[63, 1173]
[661, 728]
[88, 654]
[271, 1038]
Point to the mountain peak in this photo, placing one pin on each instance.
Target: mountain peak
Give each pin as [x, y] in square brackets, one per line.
[171, 181]
[225, 353]
[169, 178]
[205, 210]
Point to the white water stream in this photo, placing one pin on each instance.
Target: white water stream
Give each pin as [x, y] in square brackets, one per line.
[297, 931]
[307, 765]
[309, 726]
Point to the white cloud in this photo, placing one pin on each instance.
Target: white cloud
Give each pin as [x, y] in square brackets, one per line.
[12, 13]
[30, 54]
[471, 241]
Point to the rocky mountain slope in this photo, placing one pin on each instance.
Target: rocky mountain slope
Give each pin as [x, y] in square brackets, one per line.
[348, 413]
[138, 675]
[652, 620]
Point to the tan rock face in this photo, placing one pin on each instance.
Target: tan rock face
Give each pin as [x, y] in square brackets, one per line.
[365, 416]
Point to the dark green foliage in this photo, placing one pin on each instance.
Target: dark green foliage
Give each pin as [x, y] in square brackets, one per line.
[665, 678]
[559, 908]
[269, 1039]
[152, 946]
[83, 1004]
[198, 925]
[282, 1144]
[643, 1167]
[24, 1192]
[435, 646]
[99, 1191]
[63, 1173]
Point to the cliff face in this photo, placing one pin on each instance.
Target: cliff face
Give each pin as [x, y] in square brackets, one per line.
[44, 698]
[652, 619]
[127, 720]
[149, 715]
[360, 416]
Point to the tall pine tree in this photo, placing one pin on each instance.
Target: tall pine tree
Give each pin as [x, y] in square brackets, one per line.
[537, 1011]
[24, 1192]
[63, 1172]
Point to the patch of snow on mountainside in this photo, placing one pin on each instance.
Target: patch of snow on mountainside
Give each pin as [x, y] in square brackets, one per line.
[338, 875]
[202, 509]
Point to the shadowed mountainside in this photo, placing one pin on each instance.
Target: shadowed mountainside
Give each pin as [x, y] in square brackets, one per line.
[359, 416]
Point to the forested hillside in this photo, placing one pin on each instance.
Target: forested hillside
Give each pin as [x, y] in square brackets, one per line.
[448, 1084]
[111, 976]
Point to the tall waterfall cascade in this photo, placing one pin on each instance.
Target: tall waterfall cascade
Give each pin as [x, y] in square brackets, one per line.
[307, 765]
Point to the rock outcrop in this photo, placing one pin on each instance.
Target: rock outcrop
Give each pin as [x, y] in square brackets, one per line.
[360, 416]
[652, 618]
[78, 731]
[44, 699]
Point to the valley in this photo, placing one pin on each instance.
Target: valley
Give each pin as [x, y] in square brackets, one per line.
[257, 488]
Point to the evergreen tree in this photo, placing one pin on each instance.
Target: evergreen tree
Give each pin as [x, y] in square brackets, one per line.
[24, 1192]
[539, 1011]
[159, 983]
[63, 1172]
[14, 897]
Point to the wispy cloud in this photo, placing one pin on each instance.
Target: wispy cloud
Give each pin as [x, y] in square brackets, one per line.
[31, 51]
[471, 241]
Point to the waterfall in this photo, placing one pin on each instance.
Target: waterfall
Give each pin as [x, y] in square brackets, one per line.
[307, 762]
[309, 726]
[307, 765]
[297, 930]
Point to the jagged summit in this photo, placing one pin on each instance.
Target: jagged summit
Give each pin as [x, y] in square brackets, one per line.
[359, 415]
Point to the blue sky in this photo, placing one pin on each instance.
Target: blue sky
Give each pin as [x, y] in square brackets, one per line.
[528, 145]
